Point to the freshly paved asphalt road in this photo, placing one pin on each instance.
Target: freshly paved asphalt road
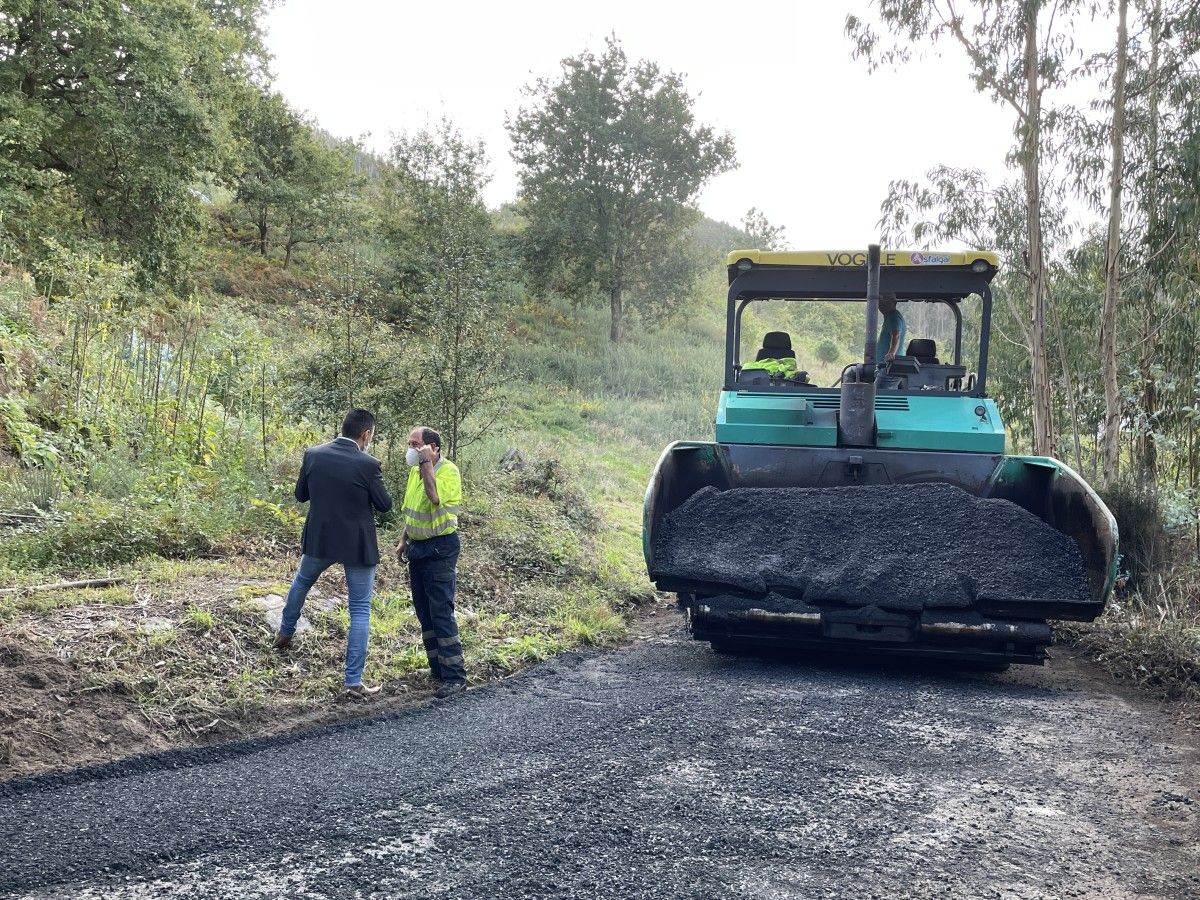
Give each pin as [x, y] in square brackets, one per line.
[659, 771]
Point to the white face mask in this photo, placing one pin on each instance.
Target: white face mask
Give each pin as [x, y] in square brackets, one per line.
[412, 456]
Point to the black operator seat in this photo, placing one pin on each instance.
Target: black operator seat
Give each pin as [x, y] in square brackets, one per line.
[924, 350]
[776, 345]
[934, 375]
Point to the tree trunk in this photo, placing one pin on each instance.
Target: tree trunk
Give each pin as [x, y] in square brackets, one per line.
[157, 425]
[456, 415]
[287, 256]
[263, 411]
[349, 363]
[1147, 446]
[200, 420]
[1111, 440]
[74, 354]
[1068, 386]
[616, 326]
[263, 231]
[1041, 388]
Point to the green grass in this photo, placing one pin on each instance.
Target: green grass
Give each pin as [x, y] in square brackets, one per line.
[250, 591]
[199, 619]
[591, 623]
[46, 602]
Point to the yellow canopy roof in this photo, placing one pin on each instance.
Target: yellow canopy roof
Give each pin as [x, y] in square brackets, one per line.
[835, 258]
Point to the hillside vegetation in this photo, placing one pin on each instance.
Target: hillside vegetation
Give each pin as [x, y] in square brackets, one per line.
[196, 282]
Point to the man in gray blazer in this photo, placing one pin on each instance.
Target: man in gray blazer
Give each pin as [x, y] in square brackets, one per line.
[343, 486]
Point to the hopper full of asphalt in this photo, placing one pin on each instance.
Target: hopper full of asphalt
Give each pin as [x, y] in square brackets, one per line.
[899, 547]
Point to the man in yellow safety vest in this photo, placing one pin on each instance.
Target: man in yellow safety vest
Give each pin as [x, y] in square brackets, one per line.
[430, 546]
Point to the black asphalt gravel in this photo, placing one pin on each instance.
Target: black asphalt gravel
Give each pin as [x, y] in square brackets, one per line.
[660, 771]
[899, 547]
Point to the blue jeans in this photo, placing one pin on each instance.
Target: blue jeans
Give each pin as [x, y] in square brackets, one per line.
[360, 582]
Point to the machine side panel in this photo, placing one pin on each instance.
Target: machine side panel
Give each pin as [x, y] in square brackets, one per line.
[780, 419]
[914, 422]
[904, 421]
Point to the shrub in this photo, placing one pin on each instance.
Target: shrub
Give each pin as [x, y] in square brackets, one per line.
[90, 531]
[113, 475]
[1151, 637]
[223, 284]
[827, 351]
[22, 437]
[273, 521]
[1145, 546]
[549, 478]
[28, 489]
[527, 535]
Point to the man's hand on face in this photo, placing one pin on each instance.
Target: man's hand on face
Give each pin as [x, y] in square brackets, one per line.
[427, 452]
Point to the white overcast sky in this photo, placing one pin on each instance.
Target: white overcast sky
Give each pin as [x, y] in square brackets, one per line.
[818, 138]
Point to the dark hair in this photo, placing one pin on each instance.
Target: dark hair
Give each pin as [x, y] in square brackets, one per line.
[431, 437]
[357, 423]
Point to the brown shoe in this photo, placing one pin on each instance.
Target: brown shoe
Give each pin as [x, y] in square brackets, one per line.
[282, 642]
[362, 692]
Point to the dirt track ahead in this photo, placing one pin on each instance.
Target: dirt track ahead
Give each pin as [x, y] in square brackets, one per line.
[660, 770]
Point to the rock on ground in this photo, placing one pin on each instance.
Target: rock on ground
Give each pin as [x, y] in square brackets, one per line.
[271, 607]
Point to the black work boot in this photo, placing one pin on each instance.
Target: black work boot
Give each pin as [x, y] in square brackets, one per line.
[450, 688]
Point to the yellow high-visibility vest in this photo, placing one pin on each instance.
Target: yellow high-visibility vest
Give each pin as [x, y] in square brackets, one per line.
[422, 519]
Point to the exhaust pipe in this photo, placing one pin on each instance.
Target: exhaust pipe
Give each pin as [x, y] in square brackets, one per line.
[869, 359]
[856, 417]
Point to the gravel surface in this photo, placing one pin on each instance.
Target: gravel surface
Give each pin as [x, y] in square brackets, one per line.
[900, 547]
[660, 771]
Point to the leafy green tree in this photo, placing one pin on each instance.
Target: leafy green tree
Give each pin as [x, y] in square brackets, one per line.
[960, 205]
[455, 289]
[827, 352]
[611, 159]
[321, 204]
[1017, 52]
[270, 132]
[120, 106]
[352, 358]
[296, 183]
[1164, 134]
[763, 235]
[714, 240]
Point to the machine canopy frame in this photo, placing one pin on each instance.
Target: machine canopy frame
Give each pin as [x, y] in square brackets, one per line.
[750, 280]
